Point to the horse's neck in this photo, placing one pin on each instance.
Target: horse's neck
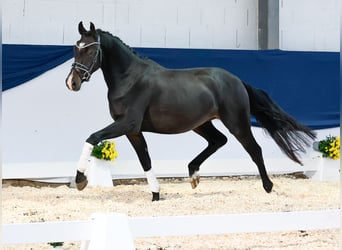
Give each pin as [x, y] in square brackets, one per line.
[116, 57]
[117, 65]
[115, 60]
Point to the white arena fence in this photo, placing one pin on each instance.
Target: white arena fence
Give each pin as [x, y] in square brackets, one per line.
[118, 231]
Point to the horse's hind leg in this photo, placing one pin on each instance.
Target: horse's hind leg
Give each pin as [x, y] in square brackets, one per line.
[215, 140]
[139, 144]
[240, 127]
[255, 152]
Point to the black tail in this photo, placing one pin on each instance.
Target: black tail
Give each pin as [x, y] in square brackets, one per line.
[290, 135]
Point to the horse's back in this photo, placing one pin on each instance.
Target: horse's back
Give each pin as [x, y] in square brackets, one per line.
[225, 88]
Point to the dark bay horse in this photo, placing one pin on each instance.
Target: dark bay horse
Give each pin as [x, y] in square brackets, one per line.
[144, 96]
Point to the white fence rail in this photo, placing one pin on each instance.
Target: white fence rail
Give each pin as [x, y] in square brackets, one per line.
[106, 230]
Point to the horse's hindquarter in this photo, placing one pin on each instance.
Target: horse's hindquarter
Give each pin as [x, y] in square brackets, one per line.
[183, 100]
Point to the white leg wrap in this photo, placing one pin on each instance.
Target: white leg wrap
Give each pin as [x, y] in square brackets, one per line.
[152, 181]
[84, 158]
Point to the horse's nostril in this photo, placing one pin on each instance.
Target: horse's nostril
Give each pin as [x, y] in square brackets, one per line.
[73, 84]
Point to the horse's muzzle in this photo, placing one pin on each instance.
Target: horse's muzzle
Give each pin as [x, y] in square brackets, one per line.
[73, 81]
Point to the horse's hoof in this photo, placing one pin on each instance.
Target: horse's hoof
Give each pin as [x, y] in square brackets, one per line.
[80, 186]
[155, 196]
[194, 180]
[81, 181]
[268, 186]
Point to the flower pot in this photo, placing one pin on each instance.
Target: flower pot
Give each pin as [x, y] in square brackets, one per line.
[315, 145]
[99, 173]
[327, 169]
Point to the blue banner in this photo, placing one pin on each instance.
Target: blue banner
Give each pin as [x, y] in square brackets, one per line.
[21, 63]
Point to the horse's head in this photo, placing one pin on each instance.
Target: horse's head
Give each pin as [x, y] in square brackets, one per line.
[87, 55]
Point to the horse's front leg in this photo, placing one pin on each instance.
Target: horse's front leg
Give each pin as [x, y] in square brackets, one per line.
[81, 179]
[116, 129]
[139, 144]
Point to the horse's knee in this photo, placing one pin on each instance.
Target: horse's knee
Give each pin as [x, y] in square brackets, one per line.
[94, 139]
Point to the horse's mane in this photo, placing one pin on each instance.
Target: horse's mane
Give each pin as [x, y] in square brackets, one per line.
[124, 44]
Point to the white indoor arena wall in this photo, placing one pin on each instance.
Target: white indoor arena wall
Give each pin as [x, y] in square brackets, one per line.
[309, 25]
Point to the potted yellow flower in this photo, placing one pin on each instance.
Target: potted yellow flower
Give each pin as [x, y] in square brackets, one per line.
[105, 151]
[328, 168]
[330, 147]
[99, 173]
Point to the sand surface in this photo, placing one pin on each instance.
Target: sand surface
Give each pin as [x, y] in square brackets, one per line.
[32, 202]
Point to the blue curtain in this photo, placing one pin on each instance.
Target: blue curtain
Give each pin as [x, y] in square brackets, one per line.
[304, 84]
[22, 63]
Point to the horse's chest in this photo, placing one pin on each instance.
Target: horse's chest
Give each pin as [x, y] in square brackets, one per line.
[117, 108]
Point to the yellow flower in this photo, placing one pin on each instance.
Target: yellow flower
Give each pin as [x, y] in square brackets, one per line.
[105, 150]
[330, 147]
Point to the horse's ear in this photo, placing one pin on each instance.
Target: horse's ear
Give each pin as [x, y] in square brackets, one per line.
[93, 30]
[92, 27]
[81, 28]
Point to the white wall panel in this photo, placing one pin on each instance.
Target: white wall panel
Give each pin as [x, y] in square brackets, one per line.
[224, 37]
[152, 12]
[246, 38]
[212, 15]
[177, 36]
[189, 15]
[12, 23]
[312, 25]
[121, 14]
[131, 35]
[201, 37]
[153, 36]
[55, 22]
[109, 14]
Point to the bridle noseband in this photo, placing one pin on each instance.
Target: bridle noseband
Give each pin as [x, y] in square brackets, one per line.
[87, 71]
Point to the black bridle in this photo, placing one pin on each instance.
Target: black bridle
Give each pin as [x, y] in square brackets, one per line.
[83, 70]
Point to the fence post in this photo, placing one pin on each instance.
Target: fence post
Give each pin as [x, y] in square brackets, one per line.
[110, 231]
